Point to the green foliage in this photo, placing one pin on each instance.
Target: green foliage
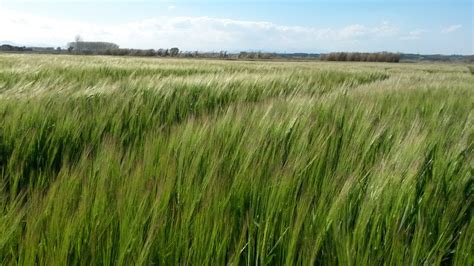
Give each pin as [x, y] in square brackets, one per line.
[138, 161]
[174, 52]
[364, 57]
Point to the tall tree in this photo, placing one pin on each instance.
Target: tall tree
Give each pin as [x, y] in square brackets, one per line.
[78, 39]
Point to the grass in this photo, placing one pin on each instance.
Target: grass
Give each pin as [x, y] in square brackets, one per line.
[471, 69]
[124, 161]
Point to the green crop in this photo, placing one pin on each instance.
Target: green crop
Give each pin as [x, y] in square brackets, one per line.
[129, 161]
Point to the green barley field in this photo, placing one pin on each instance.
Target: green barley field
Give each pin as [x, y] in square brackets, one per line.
[130, 161]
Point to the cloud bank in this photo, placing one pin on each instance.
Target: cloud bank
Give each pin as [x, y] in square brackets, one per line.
[207, 34]
[190, 33]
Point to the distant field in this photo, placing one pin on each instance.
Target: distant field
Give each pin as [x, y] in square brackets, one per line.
[129, 161]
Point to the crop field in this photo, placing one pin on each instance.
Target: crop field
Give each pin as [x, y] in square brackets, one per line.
[132, 161]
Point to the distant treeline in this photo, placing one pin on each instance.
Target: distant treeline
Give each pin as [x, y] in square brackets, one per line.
[173, 52]
[11, 48]
[256, 55]
[437, 57]
[299, 55]
[362, 57]
[24, 49]
[106, 48]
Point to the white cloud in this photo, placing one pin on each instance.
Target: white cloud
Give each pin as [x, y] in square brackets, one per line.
[386, 29]
[193, 33]
[414, 35]
[358, 31]
[171, 7]
[451, 28]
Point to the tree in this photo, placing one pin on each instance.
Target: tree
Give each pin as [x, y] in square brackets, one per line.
[78, 39]
[174, 52]
[160, 52]
[223, 54]
[243, 55]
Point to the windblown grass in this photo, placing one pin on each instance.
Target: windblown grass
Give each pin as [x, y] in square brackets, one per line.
[140, 161]
[471, 69]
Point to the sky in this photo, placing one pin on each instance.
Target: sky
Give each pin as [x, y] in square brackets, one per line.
[318, 26]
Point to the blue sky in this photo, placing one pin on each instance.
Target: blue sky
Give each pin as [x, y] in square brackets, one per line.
[415, 26]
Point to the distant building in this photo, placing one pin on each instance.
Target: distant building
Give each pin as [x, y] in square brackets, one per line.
[92, 46]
